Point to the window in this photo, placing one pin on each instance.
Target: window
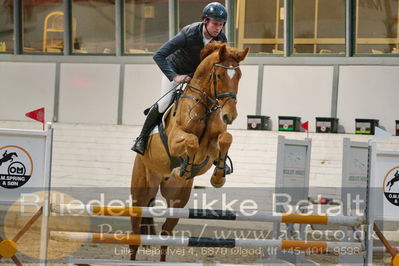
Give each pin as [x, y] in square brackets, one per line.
[319, 26]
[377, 27]
[43, 32]
[191, 11]
[95, 26]
[146, 25]
[260, 25]
[6, 26]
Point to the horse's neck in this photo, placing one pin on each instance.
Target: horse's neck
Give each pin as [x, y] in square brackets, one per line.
[200, 83]
[211, 126]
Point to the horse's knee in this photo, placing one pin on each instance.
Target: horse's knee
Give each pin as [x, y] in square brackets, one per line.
[183, 143]
[225, 139]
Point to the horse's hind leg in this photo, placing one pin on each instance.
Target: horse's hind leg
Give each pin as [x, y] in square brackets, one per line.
[224, 142]
[143, 194]
[177, 193]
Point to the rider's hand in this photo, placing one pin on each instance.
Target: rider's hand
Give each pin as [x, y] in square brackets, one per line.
[181, 79]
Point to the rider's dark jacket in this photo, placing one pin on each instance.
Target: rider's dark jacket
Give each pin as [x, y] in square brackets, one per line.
[181, 54]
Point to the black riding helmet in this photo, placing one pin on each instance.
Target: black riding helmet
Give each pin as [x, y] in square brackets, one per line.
[215, 11]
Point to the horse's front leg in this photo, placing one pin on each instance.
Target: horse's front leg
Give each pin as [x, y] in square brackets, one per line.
[224, 142]
[183, 144]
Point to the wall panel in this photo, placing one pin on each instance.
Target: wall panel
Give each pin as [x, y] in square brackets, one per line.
[89, 93]
[303, 91]
[368, 92]
[142, 89]
[25, 87]
[247, 94]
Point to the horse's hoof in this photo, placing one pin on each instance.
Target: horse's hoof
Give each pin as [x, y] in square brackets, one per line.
[218, 182]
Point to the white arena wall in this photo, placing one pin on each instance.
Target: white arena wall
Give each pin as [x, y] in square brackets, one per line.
[114, 93]
[369, 92]
[25, 87]
[303, 91]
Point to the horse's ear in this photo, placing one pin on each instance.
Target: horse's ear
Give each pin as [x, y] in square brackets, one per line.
[242, 54]
[222, 52]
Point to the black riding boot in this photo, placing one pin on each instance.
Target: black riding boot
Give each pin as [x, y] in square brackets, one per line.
[150, 122]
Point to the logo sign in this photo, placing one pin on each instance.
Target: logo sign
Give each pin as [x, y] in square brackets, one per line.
[391, 186]
[16, 166]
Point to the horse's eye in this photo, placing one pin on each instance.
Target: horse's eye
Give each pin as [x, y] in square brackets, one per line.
[218, 76]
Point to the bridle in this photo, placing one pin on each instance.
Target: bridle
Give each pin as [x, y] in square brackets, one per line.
[217, 96]
[229, 94]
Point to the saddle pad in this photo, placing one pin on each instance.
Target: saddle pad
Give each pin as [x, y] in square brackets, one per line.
[165, 115]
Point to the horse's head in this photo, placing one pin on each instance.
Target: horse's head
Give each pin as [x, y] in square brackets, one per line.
[220, 72]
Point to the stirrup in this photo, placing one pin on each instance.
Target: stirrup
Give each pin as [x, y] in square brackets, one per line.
[228, 169]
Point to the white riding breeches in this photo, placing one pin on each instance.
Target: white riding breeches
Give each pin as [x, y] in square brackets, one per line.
[167, 93]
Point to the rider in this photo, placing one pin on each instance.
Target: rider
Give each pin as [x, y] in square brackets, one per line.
[178, 59]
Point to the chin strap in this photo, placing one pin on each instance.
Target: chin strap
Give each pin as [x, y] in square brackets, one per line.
[208, 31]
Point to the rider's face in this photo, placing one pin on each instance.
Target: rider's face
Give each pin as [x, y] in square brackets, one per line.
[214, 27]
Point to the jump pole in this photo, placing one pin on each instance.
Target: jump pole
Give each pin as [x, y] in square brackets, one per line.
[259, 216]
[204, 241]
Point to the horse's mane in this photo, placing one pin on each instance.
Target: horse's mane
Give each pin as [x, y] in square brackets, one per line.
[210, 48]
[214, 46]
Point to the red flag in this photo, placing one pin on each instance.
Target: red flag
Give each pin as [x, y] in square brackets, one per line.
[305, 125]
[37, 115]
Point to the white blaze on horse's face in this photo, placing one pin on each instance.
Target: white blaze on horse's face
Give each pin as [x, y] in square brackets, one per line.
[231, 73]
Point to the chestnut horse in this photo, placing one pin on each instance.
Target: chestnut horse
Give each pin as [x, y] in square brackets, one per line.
[196, 129]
